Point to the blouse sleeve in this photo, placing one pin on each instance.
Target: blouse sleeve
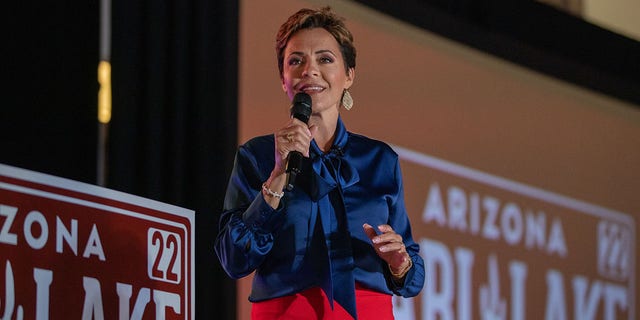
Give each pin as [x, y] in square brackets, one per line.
[415, 277]
[247, 224]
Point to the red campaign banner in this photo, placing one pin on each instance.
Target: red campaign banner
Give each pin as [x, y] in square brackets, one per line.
[71, 250]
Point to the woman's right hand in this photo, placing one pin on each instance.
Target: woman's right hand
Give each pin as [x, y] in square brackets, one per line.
[294, 136]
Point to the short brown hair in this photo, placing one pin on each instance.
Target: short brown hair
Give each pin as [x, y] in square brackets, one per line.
[320, 18]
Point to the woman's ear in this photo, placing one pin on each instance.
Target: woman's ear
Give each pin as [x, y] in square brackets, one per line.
[351, 74]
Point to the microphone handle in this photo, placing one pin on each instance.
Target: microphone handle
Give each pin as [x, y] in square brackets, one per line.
[293, 168]
[301, 110]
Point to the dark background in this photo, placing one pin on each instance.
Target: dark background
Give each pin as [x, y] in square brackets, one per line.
[173, 133]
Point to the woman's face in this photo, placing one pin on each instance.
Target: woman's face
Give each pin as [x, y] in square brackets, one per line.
[313, 64]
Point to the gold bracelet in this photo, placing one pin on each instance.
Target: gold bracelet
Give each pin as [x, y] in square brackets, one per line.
[402, 273]
[271, 192]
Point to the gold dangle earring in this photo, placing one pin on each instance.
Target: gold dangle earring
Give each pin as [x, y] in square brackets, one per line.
[347, 100]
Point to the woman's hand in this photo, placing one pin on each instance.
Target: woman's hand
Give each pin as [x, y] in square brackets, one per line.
[294, 136]
[390, 248]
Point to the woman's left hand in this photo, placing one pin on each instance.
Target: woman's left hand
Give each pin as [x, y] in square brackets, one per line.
[390, 247]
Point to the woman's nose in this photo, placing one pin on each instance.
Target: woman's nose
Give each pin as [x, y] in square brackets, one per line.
[310, 69]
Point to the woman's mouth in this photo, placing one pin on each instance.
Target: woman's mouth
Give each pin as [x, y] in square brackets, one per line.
[310, 89]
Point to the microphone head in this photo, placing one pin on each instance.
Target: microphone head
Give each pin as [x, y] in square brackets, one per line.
[301, 107]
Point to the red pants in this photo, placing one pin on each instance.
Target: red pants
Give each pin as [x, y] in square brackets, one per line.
[314, 304]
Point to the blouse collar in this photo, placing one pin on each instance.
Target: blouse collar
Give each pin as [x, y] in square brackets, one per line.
[333, 168]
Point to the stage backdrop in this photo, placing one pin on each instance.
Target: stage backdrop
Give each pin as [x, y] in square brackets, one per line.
[522, 189]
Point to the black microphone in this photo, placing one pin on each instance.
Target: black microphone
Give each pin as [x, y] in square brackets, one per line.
[301, 110]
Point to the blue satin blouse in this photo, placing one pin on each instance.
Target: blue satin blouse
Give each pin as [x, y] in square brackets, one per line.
[315, 237]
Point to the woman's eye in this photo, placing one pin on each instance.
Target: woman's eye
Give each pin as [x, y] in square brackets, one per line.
[326, 60]
[294, 61]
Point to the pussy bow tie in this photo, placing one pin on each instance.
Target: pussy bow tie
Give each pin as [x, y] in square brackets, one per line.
[332, 173]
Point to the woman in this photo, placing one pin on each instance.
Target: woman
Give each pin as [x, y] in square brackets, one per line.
[314, 249]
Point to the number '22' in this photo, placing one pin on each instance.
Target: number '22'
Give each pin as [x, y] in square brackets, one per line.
[166, 247]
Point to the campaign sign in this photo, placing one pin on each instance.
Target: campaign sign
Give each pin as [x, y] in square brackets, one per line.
[71, 250]
[498, 249]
